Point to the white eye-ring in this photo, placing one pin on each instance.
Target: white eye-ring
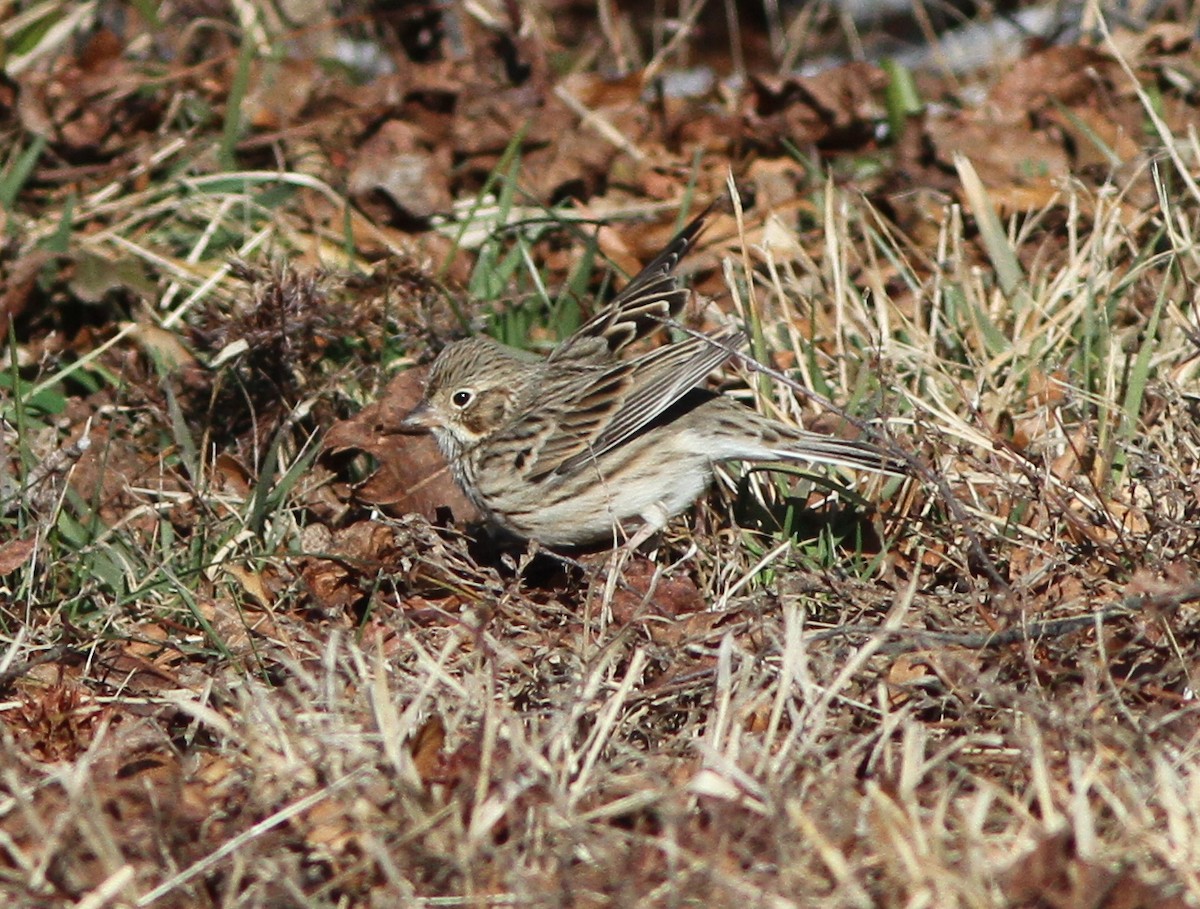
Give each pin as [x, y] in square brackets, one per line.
[462, 398]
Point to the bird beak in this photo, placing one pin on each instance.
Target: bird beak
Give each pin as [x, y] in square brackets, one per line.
[419, 419]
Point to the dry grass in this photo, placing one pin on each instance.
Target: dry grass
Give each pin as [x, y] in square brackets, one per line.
[229, 684]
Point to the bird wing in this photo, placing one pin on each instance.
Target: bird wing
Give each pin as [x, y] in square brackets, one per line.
[644, 304]
[569, 409]
[614, 404]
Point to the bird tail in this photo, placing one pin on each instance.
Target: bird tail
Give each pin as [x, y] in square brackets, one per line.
[798, 445]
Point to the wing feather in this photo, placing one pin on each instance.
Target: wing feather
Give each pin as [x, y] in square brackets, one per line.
[648, 300]
[653, 383]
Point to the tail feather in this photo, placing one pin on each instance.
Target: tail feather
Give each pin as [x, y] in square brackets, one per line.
[821, 449]
[734, 432]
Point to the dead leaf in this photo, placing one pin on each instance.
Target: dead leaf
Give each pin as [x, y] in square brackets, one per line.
[411, 475]
[646, 592]
[426, 748]
[16, 285]
[905, 672]
[1066, 75]
[833, 105]
[16, 553]
[164, 348]
[396, 163]
[353, 556]
[1023, 169]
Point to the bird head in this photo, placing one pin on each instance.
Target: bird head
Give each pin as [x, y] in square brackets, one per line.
[472, 391]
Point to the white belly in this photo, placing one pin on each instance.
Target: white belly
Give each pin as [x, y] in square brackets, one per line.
[608, 508]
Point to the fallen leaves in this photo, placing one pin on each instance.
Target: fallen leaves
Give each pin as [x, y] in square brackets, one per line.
[413, 176]
[410, 475]
[308, 654]
[838, 106]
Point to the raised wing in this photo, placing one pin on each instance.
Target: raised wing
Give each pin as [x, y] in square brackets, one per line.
[646, 387]
[652, 297]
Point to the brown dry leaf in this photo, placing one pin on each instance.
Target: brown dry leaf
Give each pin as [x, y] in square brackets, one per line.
[958, 670]
[1046, 870]
[330, 827]
[279, 90]
[715, 130]
[332, 584]
[501, 87]
[643, 592]
[613, 246]
[1022, 168]
[1054, 874]
[145, 666]
[834, 105]
[1125, 520]
[459, 766]
[235, 627]
[1047, 389]
[595, 91]
[412, 475]
[1130, 892]
[1095, 134]
[234, 474]
[16, 553]
[399, 165]
[576, 164]
[17, 282]
[757, 720]
[426, 748]
[1064, 590]
[847, 94]
[685, 627]
[57, 723]
[631, 246]
[905, 671]
[1156, 39]
[1066, 74]
[91, 103]
[150, 641]
[110, 468]
[1161, 582]
[353, 556]
[776, 182]
[164, 348]
[252, 583]
[487, 118]
[1031, 561]
[1067, 466]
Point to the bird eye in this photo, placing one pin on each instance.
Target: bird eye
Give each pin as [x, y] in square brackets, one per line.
[461, 398]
